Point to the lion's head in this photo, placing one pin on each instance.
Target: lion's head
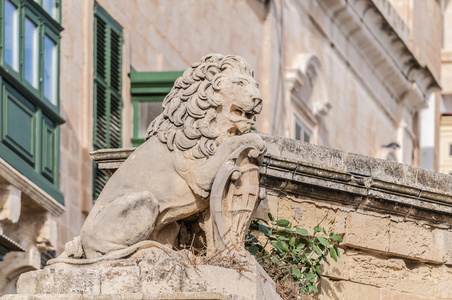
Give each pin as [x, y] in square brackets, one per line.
[213, 99]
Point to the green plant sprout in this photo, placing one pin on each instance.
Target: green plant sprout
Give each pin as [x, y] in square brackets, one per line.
[291, 255]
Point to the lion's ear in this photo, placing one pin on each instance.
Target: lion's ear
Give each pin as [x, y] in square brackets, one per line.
[211, 71]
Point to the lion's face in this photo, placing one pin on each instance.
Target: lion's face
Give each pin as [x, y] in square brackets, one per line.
[241, 101]
[214, 99]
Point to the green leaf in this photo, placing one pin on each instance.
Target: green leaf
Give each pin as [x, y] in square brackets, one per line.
[283, 246]
[276, 245]
[323, 241]
[336, 238]
[300, 246]
[317, 229]
[264, 230]
[310, 277]
[253, 249]
[282, 222]
[333, 253]
[285, 230]
[302, 232]
[314, 288]
[337, 251]
[270, 216]
[316, 250]
[292, 241]
[296, 273]
[282, 238]
[317, 270]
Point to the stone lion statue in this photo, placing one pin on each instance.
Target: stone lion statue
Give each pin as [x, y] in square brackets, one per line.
[206, 116]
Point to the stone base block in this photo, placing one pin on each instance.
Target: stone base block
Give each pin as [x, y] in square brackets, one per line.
[135, 296]
[147, 279]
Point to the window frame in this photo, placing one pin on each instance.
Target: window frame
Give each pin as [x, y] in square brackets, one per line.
[304, 130]
[46, 26]
[148, 87]
[3, 63]
[45, 121]
[57, 9]
[28, 14]
[55, 38]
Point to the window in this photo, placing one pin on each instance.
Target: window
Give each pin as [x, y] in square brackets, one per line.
[11, 35]
[31, 52]
[301, 133]
[107, 87]
[50, 6]
[148, 90]
[29, 104]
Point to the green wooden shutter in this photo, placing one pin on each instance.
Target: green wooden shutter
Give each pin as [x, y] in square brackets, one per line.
[107, 88]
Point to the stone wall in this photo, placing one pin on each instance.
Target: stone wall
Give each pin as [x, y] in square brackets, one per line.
[395, 219]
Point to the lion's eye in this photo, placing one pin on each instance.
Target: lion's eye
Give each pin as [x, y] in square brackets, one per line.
[238, 112]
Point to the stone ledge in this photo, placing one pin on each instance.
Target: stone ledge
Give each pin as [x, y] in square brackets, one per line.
[322, 173]
[36, 198]
[305, 169]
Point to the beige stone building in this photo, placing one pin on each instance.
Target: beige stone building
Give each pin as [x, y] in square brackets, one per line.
[362, 76]
[446, 82]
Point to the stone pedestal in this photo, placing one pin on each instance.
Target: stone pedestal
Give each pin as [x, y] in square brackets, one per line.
[168, 278]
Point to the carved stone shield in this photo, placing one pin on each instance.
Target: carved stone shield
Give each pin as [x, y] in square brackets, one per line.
[234, 197]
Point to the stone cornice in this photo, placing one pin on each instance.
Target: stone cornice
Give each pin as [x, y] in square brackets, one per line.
[298, 178]
[303, 169]
[362, 24]
[109, 160]
[30, 191]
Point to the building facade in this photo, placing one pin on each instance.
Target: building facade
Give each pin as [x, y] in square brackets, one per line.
[362, 76]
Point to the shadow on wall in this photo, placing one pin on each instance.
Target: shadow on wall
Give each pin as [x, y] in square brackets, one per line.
[260, 8]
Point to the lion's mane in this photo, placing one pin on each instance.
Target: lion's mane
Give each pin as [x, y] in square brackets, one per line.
[189, 110]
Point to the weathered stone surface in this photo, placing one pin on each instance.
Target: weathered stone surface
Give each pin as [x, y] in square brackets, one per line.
[401, 275]
[88, 281]
[40, 282]
[173, 174]
[347, 290]
[443, 242]
[365, 231]
[125, 296]
[149, 277]
[10, 200]
[394, 295]
[306, 213]
[119, 280]
[443, 278]
[414, 240]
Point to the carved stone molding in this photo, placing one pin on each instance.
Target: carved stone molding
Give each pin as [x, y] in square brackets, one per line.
[299, 168]
[300, 80]
[373, 38]
[32, 195]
